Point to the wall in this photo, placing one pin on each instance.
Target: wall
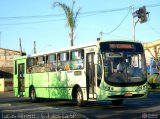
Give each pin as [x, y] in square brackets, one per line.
[6, 84]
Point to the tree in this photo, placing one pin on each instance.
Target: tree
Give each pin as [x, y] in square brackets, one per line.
[71, 18]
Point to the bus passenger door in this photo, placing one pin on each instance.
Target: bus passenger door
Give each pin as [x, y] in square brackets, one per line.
[21, 78]
[90, 75]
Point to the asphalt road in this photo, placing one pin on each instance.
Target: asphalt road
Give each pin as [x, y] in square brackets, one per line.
[13, 107]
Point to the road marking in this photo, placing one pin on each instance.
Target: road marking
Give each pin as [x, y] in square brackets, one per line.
[5, 105]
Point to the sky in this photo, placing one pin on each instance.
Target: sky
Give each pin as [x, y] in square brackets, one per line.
[39, 21]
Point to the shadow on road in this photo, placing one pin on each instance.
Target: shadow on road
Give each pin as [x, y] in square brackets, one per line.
[134, 108]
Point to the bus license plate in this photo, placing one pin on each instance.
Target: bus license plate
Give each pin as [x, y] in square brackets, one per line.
[128, 94]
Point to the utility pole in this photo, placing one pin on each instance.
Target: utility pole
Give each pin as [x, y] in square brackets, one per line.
[133, 27]
[20, 46]
[134, 24]
[101, 35]
[34, 47]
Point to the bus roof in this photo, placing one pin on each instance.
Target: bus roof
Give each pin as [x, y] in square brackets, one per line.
[66, 49]
[95, 43]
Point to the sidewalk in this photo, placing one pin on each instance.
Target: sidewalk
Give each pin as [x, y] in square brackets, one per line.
[6, 97]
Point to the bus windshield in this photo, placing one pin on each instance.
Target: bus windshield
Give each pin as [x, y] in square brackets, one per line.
[123, 64]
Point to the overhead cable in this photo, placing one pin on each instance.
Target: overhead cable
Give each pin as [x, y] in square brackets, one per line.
[119, 23]
[153, 29]
[61, 15]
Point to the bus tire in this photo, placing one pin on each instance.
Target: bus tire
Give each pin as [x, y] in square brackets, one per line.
[117, 102]
[33, 95]
[79, 98]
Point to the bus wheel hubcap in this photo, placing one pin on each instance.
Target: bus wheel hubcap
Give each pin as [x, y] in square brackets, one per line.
[79, 97]
[32, 94]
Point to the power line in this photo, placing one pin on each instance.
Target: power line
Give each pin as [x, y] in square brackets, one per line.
[118, 36]
[36, 22]
[83, 14]
[106, 11]
[154, 5]
[31, 17]
[148, 6]
[61, 15]
[153, 29]
[119, 23]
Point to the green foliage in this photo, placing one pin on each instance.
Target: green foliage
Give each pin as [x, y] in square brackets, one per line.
[59, 82]
[71, 17]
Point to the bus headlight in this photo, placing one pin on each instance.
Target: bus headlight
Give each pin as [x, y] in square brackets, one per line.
[142, 87]
[145, 87]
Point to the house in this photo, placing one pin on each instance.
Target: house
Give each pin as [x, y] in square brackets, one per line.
[6, 68]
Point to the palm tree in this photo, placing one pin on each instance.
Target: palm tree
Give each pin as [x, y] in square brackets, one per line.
[71, 18]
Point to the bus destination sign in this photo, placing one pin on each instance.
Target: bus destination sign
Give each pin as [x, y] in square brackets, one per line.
[121, 46]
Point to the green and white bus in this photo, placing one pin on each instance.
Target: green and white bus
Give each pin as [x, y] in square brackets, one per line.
[84, 73]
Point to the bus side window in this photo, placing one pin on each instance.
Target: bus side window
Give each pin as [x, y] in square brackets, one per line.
[46, 60]
[77, 59]
[58, 61]
[39, 64]
[52, 62]
[41, 61]
[30, 64]
[63, 61]
[36, 61]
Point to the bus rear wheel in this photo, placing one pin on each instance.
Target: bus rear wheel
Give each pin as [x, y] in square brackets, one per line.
[117, 102]
[79, 97]
[33, 95]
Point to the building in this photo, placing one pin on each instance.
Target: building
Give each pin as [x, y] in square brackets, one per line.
[6, 68]
[6, 61]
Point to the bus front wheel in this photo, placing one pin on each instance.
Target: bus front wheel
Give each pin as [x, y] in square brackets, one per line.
[33, 95]
[79, 97]
[117, 102]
